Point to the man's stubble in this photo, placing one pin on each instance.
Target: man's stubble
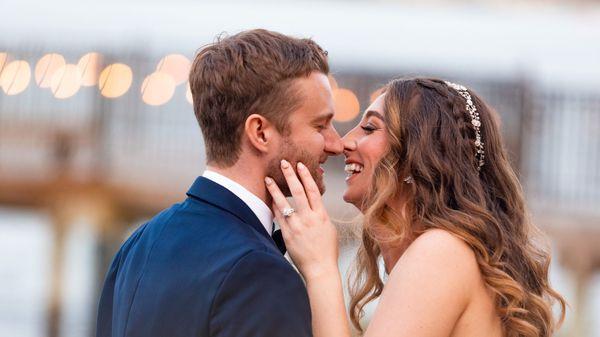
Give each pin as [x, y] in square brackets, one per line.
[294, 154]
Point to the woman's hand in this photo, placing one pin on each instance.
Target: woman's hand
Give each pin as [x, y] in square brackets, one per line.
[310, 238]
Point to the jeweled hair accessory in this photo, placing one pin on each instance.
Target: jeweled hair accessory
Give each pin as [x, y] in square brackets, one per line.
[474, 120]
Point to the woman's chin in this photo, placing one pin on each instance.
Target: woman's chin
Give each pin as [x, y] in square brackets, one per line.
[352, 197]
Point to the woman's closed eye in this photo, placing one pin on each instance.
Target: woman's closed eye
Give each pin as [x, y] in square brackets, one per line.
[369, 128]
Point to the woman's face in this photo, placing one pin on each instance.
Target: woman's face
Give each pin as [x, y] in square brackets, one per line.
[364, 147]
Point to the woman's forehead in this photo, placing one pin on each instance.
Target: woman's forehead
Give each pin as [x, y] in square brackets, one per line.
[376, 106]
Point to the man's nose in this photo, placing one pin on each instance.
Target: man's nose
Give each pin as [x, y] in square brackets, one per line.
[348, 142]
[333, 143]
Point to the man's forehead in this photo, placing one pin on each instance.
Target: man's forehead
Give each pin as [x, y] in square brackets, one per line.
[315, 96]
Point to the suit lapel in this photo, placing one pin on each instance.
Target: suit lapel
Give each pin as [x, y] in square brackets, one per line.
[207, 190]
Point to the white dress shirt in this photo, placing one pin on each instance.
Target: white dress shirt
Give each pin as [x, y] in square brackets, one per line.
[262, 211]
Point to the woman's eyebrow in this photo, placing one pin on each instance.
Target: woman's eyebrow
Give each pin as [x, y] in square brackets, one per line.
[374, 113]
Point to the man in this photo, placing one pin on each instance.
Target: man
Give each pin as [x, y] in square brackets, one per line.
[208, 266]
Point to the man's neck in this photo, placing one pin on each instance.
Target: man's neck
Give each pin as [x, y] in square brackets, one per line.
[252, 181]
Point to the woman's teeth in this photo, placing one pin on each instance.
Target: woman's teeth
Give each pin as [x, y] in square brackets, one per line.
[353, 168]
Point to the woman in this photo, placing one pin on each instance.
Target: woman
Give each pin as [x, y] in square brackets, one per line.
[444, 210]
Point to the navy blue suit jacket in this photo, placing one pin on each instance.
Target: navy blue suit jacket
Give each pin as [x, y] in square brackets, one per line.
[203, 267]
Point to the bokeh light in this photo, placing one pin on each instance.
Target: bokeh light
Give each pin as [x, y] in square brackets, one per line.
[176, 65]
[157, 88]
[346, 103]
[46, 67]
[188, 94]
[89, 66]
[66, 81]
[115, 80]
[15, 77]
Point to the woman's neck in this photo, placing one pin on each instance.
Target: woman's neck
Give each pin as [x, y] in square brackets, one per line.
[392, 251]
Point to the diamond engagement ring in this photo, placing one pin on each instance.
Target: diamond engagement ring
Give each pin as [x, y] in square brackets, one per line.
[287, 212]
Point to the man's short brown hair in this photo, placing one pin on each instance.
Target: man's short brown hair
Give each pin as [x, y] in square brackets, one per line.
[250, 72]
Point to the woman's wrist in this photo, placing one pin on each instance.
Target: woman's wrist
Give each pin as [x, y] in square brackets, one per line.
[319, 272]
[329, 316]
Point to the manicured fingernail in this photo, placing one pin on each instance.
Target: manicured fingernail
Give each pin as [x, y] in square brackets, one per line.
[301, 166]
[268, 181]
[285, 164]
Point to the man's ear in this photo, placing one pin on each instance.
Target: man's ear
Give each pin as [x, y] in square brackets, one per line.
[260, 132]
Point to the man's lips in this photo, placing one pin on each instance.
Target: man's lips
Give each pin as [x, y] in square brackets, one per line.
[321, 163]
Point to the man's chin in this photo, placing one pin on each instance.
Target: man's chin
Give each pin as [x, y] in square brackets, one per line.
[318, 178]
[322, 187]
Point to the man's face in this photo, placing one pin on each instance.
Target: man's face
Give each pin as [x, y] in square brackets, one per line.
[311, 138]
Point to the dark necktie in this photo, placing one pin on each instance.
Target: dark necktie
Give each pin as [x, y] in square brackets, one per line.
[278, 238]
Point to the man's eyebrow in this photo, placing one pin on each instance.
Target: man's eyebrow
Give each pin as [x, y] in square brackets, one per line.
[374, 113]
[326, 117]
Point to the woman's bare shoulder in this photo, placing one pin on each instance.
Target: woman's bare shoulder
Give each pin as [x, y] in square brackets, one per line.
[438, 255]
[429, 288]
[440, 243]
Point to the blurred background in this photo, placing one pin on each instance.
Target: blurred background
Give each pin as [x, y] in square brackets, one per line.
[97, 131]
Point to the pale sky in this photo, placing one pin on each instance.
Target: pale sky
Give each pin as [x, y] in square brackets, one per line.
[553, 45]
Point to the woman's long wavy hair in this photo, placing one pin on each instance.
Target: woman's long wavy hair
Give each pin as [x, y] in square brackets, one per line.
[432, 139]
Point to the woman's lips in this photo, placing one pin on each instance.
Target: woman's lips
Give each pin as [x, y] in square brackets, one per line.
[351, 177]
[352, 169]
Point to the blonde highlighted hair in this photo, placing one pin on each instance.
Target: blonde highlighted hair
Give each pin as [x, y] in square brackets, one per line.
[432, 139]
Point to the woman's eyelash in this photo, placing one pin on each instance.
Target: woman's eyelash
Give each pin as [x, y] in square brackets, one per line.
[368, 128]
